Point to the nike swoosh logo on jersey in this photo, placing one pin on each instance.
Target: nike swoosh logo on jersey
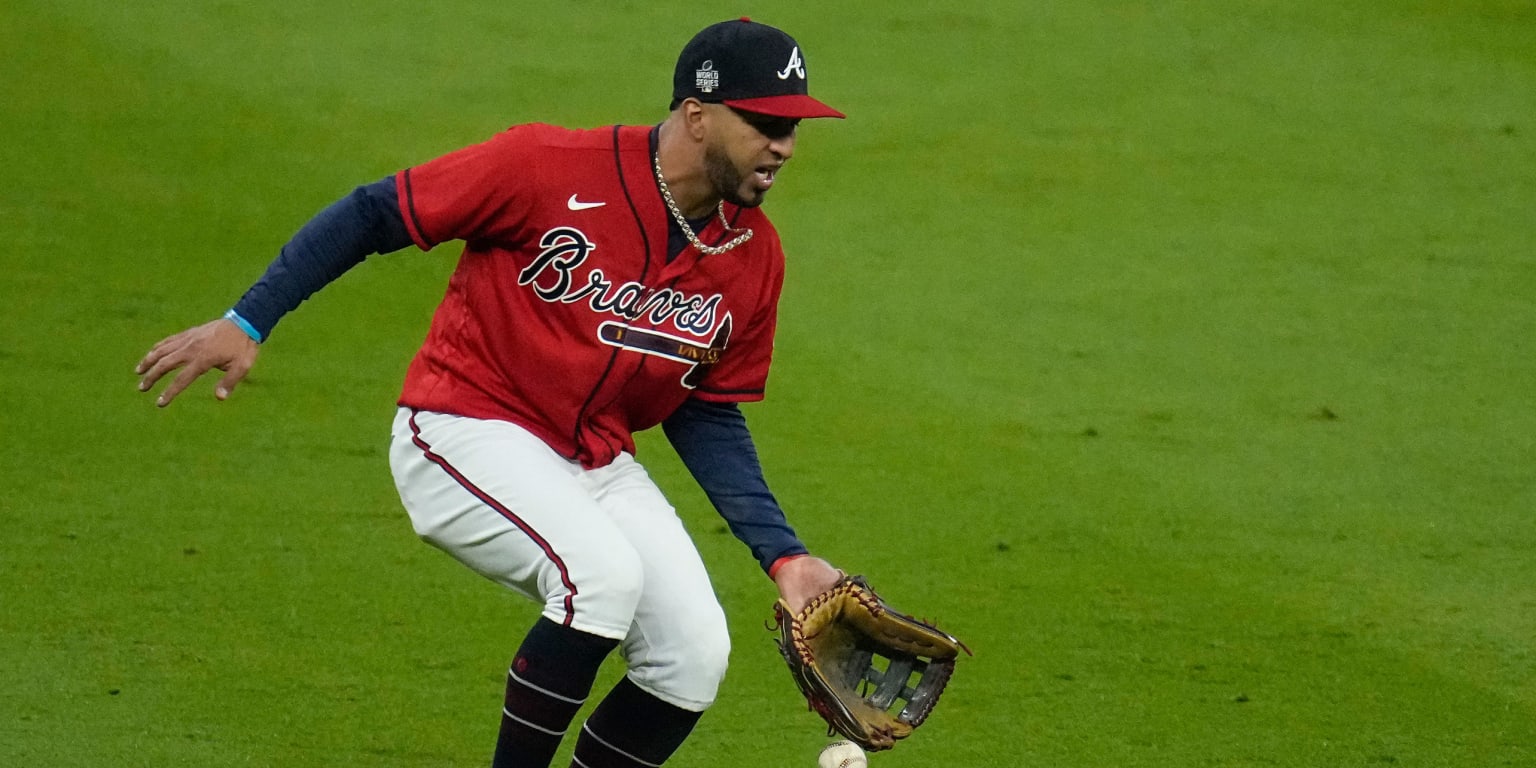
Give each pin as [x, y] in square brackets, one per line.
[577, 205]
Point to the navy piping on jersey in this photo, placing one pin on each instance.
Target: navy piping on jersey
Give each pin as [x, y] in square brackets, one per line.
[613, 355]
[410, 204]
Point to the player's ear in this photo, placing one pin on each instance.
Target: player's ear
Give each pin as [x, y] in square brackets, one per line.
[695, 115]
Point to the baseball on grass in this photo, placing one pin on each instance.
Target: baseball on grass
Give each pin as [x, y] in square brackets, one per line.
[842, 754]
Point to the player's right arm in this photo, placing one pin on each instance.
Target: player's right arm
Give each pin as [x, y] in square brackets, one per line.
[365, 222]
[218, 344]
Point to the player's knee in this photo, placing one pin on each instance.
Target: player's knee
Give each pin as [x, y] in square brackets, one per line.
[688, 672]
[703, 668]
[712, 653]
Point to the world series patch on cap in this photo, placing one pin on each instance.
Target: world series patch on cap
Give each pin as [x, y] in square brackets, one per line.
[749, 66]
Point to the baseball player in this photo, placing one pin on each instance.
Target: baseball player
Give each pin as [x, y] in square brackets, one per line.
[611, 280]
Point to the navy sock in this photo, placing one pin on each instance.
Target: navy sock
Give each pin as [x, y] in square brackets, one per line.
[632, 729]
[546, 685]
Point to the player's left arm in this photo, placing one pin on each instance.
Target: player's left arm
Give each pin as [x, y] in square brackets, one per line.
[713, 441]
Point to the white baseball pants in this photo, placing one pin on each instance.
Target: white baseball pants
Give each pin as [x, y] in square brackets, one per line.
[601, 549]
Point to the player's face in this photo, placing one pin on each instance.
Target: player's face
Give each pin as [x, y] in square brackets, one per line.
[749, 149]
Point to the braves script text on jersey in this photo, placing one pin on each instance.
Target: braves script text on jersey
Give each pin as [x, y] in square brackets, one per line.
[603, 336]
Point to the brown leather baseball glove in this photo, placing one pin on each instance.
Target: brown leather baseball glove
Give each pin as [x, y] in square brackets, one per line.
[872, 673]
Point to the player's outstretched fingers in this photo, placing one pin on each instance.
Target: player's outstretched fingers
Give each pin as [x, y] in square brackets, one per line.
[218, 344]
[152, 358]
[157, 364]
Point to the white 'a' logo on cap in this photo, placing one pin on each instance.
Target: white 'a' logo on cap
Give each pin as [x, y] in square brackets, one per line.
[795, 65]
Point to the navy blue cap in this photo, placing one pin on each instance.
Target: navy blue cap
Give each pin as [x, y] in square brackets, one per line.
[749, 66]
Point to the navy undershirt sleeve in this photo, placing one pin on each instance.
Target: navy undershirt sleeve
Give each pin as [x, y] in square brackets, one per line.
[365, 222]
[713, 441]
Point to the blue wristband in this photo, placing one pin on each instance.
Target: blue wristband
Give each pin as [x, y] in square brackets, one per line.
[244, 324]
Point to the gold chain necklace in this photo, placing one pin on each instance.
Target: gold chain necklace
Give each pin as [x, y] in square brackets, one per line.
[711, 250]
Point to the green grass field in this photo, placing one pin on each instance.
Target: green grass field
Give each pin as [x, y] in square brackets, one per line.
[1177, 356]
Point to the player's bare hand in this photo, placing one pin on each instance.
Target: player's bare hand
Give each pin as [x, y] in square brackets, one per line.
[803, 578]
[219, 344]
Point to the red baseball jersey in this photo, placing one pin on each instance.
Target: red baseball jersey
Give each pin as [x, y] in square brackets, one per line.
[564, 315]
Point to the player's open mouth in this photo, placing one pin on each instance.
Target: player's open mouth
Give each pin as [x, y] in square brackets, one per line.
[765, 176]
